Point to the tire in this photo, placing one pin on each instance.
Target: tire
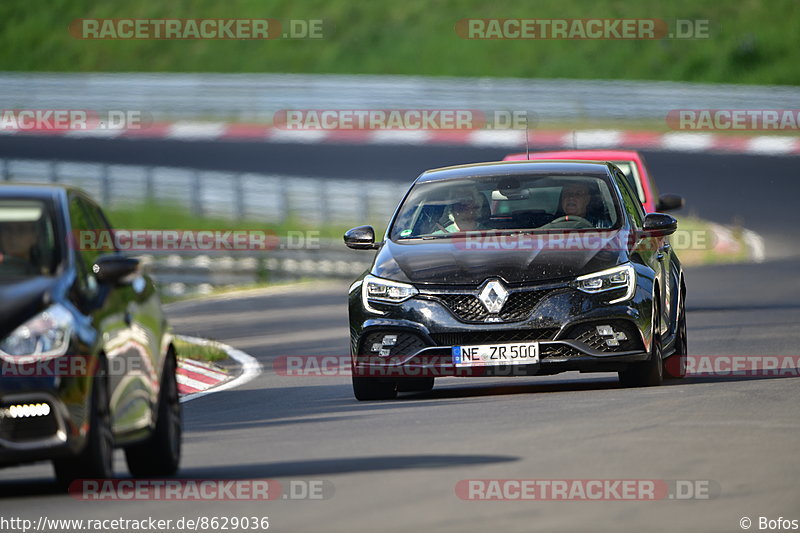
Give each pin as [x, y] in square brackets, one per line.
[160, 454]
[675, 364]
[96, 460]
[651, 372]
[415, 384]
[366, 389]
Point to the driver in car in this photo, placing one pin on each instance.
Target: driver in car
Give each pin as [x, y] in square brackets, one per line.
[17, 240]
[576, 211]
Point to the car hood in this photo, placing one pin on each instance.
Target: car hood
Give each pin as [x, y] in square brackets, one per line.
[534, 259]
[22, 299]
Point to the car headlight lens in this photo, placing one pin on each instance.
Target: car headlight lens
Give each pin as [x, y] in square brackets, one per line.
[375, 289]
[621, 277]
[46, 334]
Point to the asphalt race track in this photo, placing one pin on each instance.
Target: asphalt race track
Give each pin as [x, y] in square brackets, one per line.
[394, 466]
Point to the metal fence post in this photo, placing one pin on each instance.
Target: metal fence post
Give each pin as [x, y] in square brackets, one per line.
[105, 186]
[324, 202]
[6, 169]
[283, 191]
[149, 186]
[238, 186]
[197, 194]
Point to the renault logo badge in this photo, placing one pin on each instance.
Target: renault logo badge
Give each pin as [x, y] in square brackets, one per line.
[493, 296]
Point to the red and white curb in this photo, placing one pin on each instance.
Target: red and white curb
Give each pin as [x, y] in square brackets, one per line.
[678, 141]
[197, 379]
[197, 376]
[725, 242]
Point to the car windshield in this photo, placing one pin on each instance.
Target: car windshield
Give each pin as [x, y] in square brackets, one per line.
[439, 209]
[27, 239]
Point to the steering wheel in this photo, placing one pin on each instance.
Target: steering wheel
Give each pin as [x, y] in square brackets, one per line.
[573, 221]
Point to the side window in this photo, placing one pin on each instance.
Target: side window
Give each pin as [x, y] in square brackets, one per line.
[630, 202]
[100, 223]
[84, 238]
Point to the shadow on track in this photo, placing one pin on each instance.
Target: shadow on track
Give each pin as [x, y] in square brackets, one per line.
[340, 465]
[316, 467]
[29, 487]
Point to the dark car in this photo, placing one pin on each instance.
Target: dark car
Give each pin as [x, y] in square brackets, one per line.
[517, 268]
[87, 360]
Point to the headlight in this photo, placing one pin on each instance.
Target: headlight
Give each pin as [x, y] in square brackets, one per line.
[621, 277]
[384, 291]
[45, 335]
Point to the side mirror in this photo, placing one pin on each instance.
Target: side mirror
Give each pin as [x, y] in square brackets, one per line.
[669, 202]
[361, 238]
[113, 269]
[659, 225]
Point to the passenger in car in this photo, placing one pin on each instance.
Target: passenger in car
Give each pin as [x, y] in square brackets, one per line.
[469, 211]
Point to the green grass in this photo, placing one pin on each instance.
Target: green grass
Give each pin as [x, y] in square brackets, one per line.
[198, 352]
[750, 41]
[169, 216]
[694, 241]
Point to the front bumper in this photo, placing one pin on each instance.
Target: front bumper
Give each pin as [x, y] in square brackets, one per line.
[42, 416]
[563, 321]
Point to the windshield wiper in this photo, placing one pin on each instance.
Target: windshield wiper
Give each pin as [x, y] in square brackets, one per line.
[442, 236]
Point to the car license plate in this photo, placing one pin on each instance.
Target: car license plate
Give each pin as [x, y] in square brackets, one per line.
[496, 354]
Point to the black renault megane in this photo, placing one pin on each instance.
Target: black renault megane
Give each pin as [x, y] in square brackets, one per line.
[87, 361]
[517, 268]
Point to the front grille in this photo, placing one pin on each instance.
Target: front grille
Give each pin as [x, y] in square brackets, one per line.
[404, 343]
[467, 338]
[519, 306]
[559, 350]
[587, 334]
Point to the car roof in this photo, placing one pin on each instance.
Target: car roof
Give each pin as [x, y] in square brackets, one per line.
[597, 155]
[514, 168]
[39, 191]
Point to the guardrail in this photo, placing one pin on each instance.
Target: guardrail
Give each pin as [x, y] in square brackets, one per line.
[255, 97]
[267, 198]
[260, 198]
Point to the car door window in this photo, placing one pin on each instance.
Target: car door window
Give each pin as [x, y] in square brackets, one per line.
[629, 201]
[101, 225]
[84, 235]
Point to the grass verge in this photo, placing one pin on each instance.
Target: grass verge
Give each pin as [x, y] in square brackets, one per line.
[198, 352]
[747, 42]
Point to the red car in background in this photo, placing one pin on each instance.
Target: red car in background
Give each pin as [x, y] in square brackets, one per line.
[630, 162]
